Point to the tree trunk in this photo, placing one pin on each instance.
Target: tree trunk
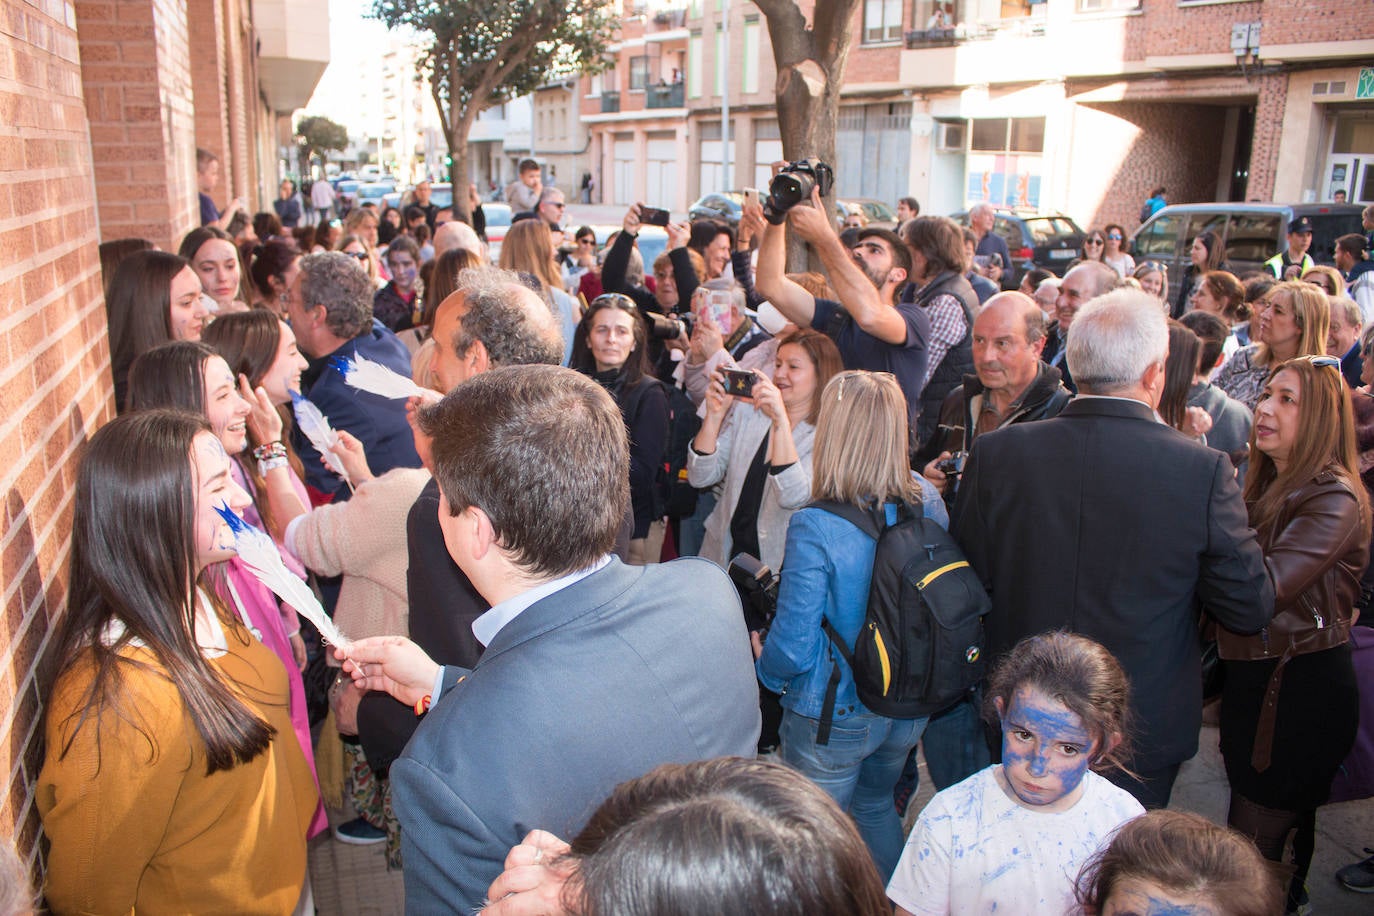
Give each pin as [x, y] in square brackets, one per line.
[810, 65]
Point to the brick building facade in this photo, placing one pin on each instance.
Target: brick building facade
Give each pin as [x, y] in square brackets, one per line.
[1080, 106]
[101, 112]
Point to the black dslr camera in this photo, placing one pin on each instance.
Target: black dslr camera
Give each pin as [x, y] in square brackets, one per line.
[758, 591]
[793, 185]
[668, 327]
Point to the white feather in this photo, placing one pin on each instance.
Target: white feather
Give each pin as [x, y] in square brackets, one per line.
[316, 427]
[368, 375]
[260, 554]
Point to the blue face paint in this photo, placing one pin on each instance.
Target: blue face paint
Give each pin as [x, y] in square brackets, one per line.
[1136, 897]
[1046, 751]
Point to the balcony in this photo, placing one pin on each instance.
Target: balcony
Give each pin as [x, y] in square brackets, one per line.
[667, 20]
[610, 102]
[665, 95]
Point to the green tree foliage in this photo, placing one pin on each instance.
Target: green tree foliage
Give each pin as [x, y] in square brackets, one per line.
[486, 52]
[319, 135]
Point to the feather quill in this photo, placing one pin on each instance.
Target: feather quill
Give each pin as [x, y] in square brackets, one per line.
[316, 427]
[260, 554]
[371, 376]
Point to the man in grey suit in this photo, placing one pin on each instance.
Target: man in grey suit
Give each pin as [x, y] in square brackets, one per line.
[1106, 522]
[594, 672]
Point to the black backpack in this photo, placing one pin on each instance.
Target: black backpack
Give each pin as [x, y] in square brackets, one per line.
[921, 645]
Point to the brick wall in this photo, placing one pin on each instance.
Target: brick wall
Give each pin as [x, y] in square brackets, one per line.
[137, 86]
[1264, 155]
[54, 381]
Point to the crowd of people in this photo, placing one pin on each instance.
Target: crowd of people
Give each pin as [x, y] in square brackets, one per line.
[1158, 500]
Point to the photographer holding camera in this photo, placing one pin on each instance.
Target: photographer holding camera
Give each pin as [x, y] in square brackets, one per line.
[1012, 385]
[871, 329]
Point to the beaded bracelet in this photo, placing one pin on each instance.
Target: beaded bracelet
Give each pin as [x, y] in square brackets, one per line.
[269, 450]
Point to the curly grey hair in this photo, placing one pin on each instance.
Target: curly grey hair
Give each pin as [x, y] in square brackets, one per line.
[340, 284]
[500, 315]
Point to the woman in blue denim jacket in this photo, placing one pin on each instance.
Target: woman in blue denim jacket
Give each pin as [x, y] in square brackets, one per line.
[860, 454]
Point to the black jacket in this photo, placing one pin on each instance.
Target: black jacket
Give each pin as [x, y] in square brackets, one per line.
[1044, 398]
[1106, 522]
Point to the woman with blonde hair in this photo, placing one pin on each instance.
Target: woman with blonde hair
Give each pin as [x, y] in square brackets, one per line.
[361, 224]
[355, 247]
[859, 457]
[1291, 320]
[528, 248]
[1290, 705]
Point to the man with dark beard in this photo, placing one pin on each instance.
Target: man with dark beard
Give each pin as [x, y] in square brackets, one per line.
[870, 328]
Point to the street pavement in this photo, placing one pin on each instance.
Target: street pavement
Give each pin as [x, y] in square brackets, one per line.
[353, 880]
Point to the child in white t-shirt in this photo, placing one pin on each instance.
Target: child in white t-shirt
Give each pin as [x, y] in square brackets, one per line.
[1011, 838]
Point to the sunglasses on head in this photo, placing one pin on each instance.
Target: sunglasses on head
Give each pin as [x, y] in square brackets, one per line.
[616, 300]
[360, 255]
[1330, 361]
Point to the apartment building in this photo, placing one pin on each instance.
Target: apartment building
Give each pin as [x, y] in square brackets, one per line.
[1080, 106]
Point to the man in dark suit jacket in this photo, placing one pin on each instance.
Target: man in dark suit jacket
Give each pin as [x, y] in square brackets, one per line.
[1108, 523]
[593, 673]
[330, 306]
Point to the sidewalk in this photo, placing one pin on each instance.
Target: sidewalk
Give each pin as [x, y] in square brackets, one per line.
[353, 880]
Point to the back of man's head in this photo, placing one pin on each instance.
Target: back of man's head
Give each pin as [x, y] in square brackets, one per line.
[1101, 278]
[543, 452]
[1352, 244]
[514, 324]
[456, 234]
[1114, 339]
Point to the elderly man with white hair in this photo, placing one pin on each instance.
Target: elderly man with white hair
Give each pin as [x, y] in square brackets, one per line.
[981, 219]
[1106, 522]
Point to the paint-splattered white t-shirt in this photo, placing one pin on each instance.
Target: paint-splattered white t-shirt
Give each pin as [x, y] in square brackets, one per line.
[974, 850]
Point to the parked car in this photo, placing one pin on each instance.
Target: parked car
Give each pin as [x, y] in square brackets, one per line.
[879, 214]
[374, 192]
[1046, 240]
[348, 193]
[1252, 233]
[722, 206]
[498, 218]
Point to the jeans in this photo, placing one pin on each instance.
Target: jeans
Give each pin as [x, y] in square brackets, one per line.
[857, 768]
[692, 530]
[955, 747]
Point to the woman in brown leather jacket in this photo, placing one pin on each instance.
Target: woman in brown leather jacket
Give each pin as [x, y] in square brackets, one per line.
[1289, 707]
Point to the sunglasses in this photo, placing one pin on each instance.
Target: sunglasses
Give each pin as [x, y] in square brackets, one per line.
[616, 300]
[1330, 361]
[1114, 237]
[360, 255]
[1092, 242]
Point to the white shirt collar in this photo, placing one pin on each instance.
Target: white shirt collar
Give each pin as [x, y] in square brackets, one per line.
[494, 620]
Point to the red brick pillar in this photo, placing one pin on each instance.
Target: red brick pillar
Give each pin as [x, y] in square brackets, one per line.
[135, 66]
[1264, 154]
[54, 377]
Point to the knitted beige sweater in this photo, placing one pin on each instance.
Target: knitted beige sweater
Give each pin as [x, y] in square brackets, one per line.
[364, 539]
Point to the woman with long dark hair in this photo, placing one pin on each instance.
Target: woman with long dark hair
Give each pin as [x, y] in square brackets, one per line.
[1289, 705]
[215, 259]
[273, 270]
[1185, 353]
[191, 376]
[154, 297]
[1205, 254]
[609, 346]
[171, 781]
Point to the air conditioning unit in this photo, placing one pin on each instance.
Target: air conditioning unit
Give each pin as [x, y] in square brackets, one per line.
[949, 136]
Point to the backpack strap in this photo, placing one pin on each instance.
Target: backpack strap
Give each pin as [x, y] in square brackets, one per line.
[867, 521]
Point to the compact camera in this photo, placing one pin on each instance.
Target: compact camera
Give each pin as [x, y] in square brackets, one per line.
[953, 466]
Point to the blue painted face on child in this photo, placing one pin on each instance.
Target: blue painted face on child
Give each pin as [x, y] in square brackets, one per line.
[1137, 897]
[1046, 751]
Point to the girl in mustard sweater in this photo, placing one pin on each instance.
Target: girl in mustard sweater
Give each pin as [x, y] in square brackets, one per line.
[173, 782]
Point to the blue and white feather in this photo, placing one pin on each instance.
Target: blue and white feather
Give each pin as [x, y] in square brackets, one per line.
[316, 427]
[371, 376]
[260, 554]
